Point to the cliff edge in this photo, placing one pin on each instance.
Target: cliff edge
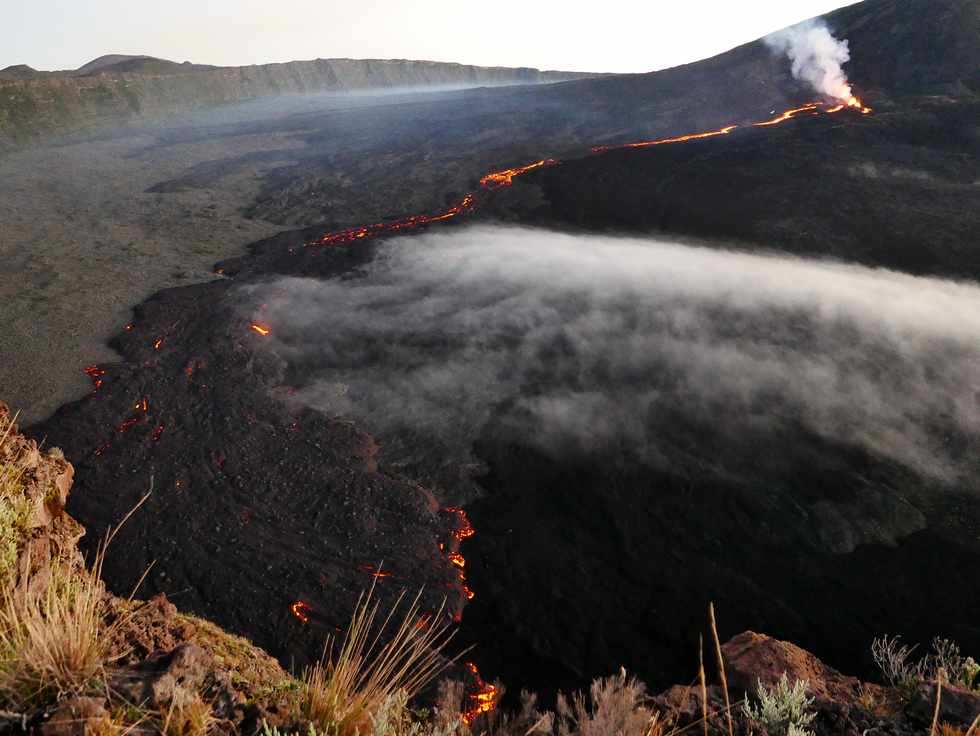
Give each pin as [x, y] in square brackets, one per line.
[38, 105]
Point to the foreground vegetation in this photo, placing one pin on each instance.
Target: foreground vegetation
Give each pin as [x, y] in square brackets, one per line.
[75, 659]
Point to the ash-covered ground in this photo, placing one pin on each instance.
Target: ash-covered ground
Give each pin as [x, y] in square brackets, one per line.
[93, 225]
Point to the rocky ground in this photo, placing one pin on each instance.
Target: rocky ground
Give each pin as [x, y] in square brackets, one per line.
[93, 226]
[156, 661]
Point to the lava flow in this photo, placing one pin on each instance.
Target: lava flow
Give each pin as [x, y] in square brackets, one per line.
[483, 700]
[790, 114]
[484, 697]
[504, 178]
[95, 373]
[465, 528]
[407, 223]
[299, 610]
[664, 141]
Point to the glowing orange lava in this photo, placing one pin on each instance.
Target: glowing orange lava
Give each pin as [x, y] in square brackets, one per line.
[483, 699]
[260, 328]
[158, 343]
[95, 373]
[375, 572]
[407, 223]
[504, 178]
[126, 424]
[665, 141]
[854, 102]
[299, 608]
[789, 115]
[465, 528]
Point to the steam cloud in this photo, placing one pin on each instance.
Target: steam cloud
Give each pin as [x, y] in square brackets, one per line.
[657, 349]
[817, 57]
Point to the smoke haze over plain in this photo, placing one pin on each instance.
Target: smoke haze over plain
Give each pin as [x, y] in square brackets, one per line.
[653, 348]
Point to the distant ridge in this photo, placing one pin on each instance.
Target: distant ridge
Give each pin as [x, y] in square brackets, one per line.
[18, 71]
[128, 64]
[116, 89]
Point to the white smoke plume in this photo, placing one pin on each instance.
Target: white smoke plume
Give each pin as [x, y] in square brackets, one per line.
[586, 343]
[817, 57]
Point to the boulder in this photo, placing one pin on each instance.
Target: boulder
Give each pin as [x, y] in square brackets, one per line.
[160, 679]
[751, 658]
[957, 706]
[74, 716]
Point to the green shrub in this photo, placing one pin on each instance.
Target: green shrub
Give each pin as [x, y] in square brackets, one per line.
[782, 709]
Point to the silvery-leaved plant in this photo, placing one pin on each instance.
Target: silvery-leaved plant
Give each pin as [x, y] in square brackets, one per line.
[782, 709]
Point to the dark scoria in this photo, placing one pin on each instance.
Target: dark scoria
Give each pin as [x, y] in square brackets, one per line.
[253, 507]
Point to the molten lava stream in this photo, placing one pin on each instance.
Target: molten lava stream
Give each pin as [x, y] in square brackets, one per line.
[483, 697]
[483, 700]
[504, 178]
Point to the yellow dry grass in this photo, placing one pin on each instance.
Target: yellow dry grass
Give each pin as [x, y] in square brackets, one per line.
[53, 640]
[342, 694]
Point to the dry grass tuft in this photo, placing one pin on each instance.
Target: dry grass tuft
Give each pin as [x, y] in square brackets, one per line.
[53, 641]
[14, 506]
[344, 694]
[187, 715]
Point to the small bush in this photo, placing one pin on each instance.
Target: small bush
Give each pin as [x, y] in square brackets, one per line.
[971, 674]
[616, 705]
[783, 709]
[902, 672]
[945, 658]
[894, 660]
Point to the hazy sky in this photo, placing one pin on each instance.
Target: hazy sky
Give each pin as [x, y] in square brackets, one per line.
[615, 35]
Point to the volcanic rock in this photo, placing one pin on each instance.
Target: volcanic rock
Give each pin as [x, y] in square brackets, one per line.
[151, 628]
[158, 654]
[286, 503]
[751, 658]
[47, 532]
[166, 677]
[957, 706]
[75, 717]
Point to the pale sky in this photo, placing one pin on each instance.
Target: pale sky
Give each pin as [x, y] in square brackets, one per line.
[608, 36]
